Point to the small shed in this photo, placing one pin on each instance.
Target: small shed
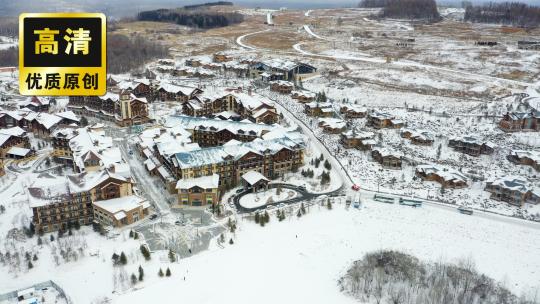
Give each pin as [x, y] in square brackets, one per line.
[255, 181]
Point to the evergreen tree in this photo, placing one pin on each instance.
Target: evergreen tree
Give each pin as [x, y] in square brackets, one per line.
[115, 258]
[133, 279]
[299, 213]
[52, 238]
[77, 225]
[172, 256]
[135, 235]
[327, 165]
[123, 258]
[160, 273]
[231, 242]
[35, 258]
[257, 217]
[145, 252]
[266, 217]
[141, 274]
[168, 272]
[30, 265]
[329, 205]
[39, 241]
[302, 208]
[131, 233]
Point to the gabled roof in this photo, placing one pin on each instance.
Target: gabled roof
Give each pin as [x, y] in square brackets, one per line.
[253, 177]
[205, 182]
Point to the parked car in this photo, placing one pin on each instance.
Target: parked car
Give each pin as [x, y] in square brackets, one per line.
[240, 190]
[355, 187]
[465, 210]
[153, 216]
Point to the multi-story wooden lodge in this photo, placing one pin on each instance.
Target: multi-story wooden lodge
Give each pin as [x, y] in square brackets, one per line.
[272, 158]
[59, 202]
[358, 140]
[387, 158]
[514, 190]
[527, 158]
[446, 177]
[520, 121]
[379, 120]
[471, 145]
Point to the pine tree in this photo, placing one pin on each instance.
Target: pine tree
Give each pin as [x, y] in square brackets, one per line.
[329, 205]
[266, 217]
[30, 265]
[133, 279]
[35, 258]
[131, 233]
[123, 258]
[115, 258]
[145, 252]
[257, 219]
[160, 273]
[52, 238]
[39, 241]
[299, 213]
[231, 242]
[327, 165]
[302, 208]
[141, 274]
[135, 235]
[172, 256]
[168, 272]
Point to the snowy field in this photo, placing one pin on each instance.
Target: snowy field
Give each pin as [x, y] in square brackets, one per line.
[302, 258]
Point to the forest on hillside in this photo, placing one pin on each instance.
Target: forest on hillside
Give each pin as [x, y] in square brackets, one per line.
[125, 54]
[509, 13]
[194, 16]
[411, 9]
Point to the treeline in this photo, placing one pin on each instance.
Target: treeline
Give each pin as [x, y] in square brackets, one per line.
[125, 54]
[411, 9]
[511, 13]
[198, 18]
[395, 277]
[372, 3]
[9, 28]
[9, 57]
[218, 3]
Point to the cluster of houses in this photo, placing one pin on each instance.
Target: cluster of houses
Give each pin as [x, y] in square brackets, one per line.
[232, 103]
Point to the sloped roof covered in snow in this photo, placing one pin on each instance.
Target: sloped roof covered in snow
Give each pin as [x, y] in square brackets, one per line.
[205, 182]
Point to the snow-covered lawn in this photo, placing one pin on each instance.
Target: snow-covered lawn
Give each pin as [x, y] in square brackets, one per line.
[300, 260]
[254, 200]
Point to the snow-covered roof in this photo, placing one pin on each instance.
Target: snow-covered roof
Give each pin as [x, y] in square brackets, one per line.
[205, 182]
[385, 152]
[121, 205]
[14, 131]
[48, 120]
[172, 88]
[237, 127]
[18, 151]
[49, 189]
[447, 174]
[253, 177]
[213, 155]
[531, 154]
[68, 115]
[419, 134]
[282, 83]
[357, 135]
[355, 108]
[514, 183]
[332, 123]
[381, 115]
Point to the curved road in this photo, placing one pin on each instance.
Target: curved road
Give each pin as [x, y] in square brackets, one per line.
[303, 196]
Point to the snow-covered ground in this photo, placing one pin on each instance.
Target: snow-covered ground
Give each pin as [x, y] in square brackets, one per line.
[254, 200]
[302, 258]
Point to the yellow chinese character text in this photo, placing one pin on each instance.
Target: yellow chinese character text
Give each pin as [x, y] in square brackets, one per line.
[46, 42]
[78, 42]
